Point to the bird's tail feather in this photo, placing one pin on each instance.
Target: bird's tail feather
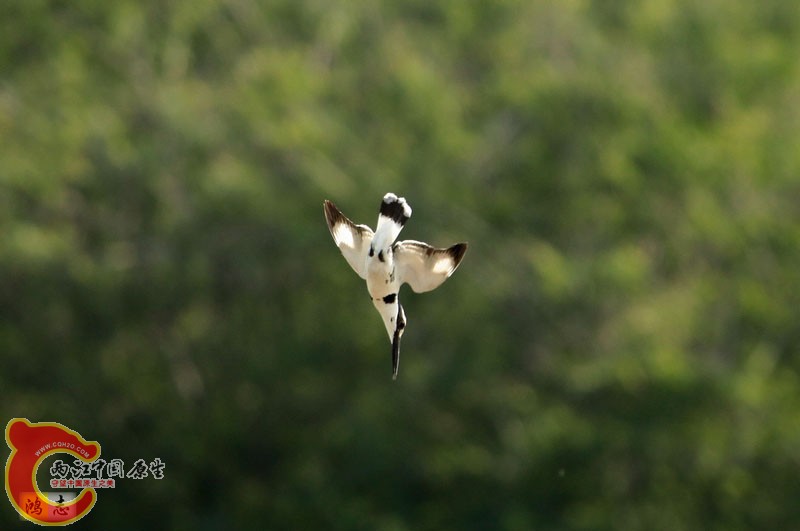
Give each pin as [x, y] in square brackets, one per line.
[393, 214]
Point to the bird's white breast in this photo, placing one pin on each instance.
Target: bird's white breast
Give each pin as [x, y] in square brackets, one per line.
[380, 278]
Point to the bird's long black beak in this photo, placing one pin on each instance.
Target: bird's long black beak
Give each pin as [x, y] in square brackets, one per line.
[401, 326]
[395, 353]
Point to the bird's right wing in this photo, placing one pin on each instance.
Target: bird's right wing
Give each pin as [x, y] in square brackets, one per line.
[353, 240]
[424, 267]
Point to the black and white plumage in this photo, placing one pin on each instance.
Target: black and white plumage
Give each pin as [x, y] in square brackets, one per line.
[386, 264]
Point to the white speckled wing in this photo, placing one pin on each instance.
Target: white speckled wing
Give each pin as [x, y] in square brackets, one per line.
[424, 267]
[353, 240]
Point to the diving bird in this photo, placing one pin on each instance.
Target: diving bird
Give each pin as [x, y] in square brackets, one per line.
[386, 265]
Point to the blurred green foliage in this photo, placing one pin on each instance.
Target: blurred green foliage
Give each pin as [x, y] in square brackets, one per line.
[619, 349]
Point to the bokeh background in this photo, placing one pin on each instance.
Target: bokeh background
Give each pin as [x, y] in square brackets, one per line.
[618, 351]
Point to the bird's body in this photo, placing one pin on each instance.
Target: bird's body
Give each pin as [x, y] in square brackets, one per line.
[386, 264]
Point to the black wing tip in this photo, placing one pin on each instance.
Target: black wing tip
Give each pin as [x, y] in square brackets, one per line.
[457, 252]
[395, 208]
[331, 212]
[333, 215]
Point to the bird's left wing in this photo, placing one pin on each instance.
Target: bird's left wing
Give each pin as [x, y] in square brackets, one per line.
[353, 240]
[424, 267]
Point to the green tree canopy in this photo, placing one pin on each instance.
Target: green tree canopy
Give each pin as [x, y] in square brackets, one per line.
[619, 349]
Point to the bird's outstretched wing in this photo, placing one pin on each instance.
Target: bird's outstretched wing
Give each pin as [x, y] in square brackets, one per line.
[353, 240]
[424, 267]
